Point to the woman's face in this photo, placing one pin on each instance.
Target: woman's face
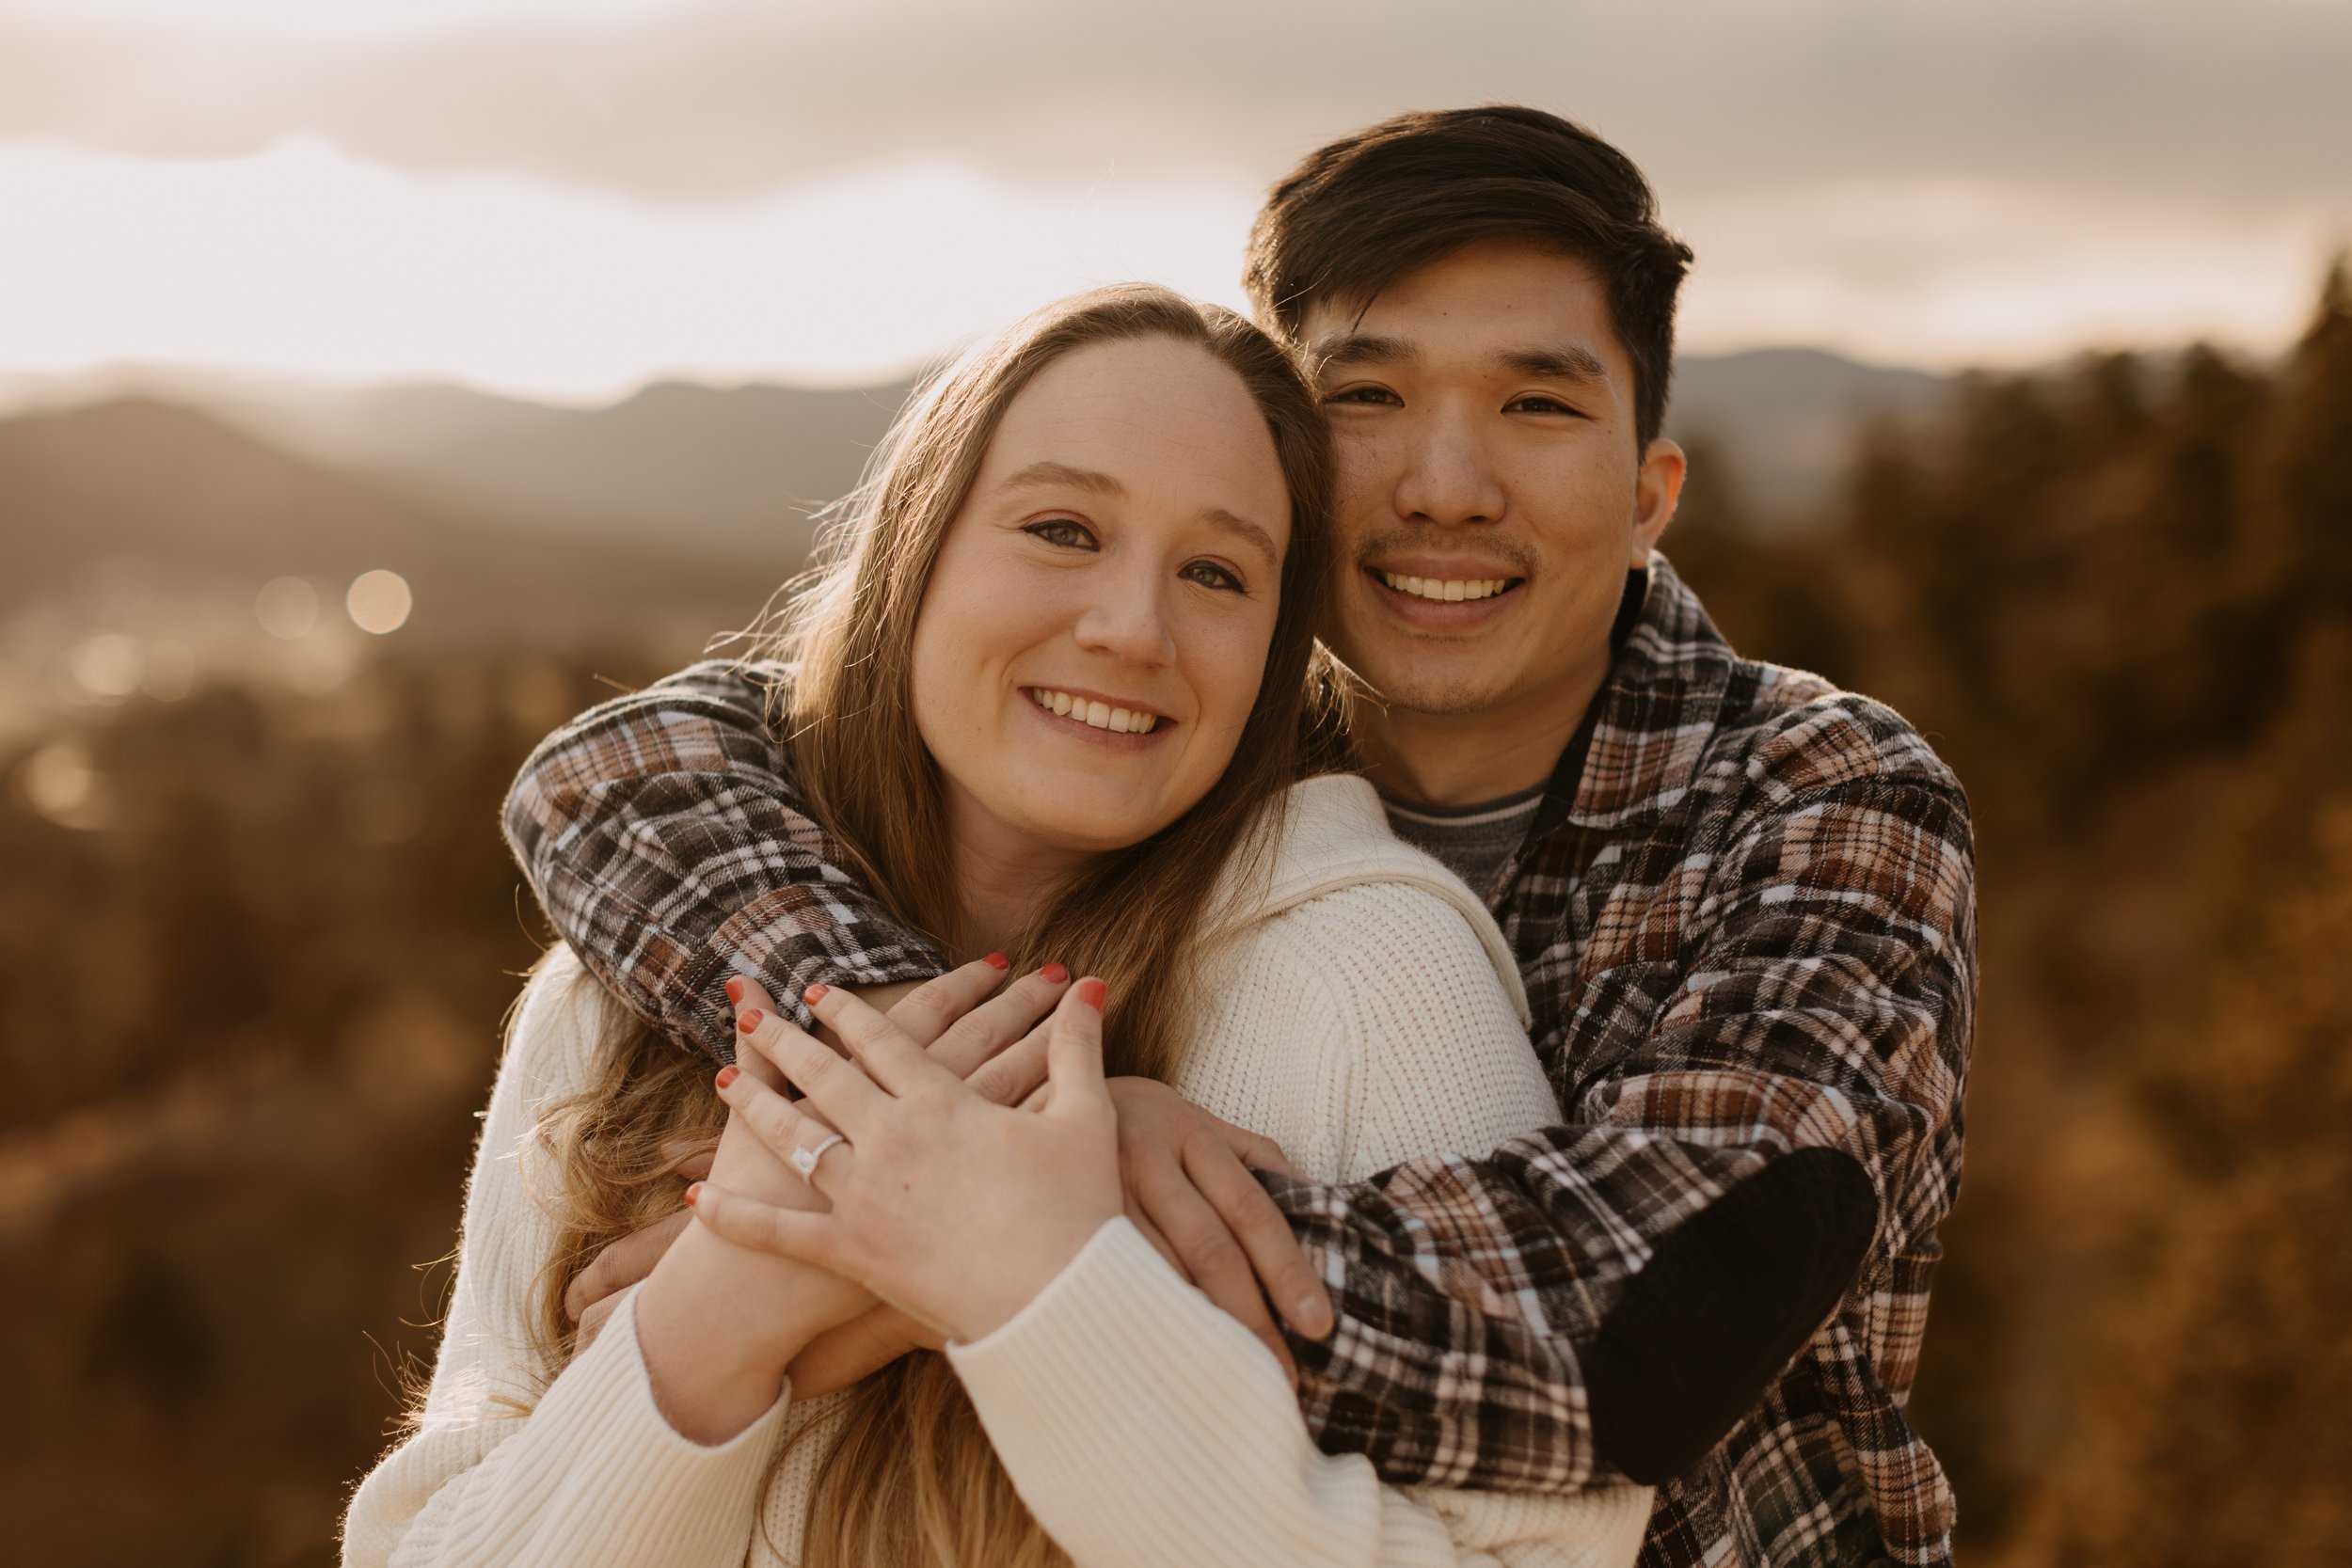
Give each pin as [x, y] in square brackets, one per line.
[1096, 627]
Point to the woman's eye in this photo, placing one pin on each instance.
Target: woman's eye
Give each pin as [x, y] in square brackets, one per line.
[1210, 575]
[1062, 532]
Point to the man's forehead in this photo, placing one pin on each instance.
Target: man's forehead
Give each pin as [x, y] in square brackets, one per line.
[1505, 305]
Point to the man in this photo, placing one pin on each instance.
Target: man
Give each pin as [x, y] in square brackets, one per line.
[1741, 900]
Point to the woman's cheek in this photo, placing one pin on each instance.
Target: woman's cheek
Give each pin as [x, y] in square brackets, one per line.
[1230, 690]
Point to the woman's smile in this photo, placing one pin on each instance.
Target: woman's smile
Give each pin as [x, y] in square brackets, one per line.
[1092, 716]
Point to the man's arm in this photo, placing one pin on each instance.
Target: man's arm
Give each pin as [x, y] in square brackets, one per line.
[671, 847]
[1608, 1297]
[665, 838]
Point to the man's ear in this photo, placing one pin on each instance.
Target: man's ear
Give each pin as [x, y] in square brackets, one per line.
[1657, 490]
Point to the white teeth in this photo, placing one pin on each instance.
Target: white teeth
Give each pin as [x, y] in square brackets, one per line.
[1446, 589]
[1101, 716]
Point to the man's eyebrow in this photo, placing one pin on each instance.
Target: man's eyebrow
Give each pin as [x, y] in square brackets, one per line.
[1039, 474]
[1553, 362]
[1362, 348]
[1561, 362]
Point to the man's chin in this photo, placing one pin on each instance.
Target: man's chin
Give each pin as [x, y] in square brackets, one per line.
[1398, 686]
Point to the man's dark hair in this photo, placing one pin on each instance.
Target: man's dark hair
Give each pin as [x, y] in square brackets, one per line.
[1371, 208]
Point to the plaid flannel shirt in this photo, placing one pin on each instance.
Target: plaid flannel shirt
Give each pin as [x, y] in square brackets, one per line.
[1745, 916]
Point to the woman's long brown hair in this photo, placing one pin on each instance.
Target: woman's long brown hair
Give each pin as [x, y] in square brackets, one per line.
[909, 1480]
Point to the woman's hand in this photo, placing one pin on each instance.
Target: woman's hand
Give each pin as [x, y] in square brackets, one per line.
[956, 1209]
[717, 1323]
[996, 1043]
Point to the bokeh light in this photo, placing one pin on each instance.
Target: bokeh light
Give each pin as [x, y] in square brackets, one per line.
[286, 607]
[61, 782]
[379, 602]
[106, 665]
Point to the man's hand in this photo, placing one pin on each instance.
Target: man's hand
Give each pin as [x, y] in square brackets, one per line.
[995, 1044]
[1187, 1190]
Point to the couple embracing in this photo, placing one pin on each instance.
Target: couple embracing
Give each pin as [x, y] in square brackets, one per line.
[1251, 982]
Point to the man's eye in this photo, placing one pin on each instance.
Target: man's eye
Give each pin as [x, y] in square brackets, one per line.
[1536, 404]
[1375, 396]
[1208, 574]
[1062, 532]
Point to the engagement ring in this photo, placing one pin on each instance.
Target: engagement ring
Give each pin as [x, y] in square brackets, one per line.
[804, 1160]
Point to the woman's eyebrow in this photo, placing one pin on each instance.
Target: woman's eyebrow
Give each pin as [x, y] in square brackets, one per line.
[1234, 523]
[1050, 473]
[1047, 472]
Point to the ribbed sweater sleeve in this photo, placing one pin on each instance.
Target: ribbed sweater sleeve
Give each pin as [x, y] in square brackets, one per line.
[583, 1471]
[1145, 1428]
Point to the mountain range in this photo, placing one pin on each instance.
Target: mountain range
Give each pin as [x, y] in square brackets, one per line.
[521, 520]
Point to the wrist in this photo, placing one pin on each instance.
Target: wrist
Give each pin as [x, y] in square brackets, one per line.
[737, 1303]
[1026, 1275]
[710, 1374]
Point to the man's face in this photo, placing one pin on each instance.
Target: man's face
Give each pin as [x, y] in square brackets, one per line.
[1492, 493]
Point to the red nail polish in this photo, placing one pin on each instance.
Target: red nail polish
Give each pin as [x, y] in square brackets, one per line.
[735, 990]
[1056, 973]
[1092, 993]
[750, 1021]
[695, 1193]
[997, 961]
[815, 994]
[728, 1074]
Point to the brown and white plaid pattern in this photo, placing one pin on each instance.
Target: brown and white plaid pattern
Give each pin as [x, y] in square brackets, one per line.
[1746, 919]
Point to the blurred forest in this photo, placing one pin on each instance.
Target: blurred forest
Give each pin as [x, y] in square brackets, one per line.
[257, 934]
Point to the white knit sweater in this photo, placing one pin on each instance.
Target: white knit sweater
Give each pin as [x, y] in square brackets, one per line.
[1363, 1010]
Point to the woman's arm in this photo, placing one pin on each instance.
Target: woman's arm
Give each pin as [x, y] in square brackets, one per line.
[506, 1467]
[1145, 1428]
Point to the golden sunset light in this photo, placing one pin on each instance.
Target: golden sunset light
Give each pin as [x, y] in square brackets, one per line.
[1060, 784]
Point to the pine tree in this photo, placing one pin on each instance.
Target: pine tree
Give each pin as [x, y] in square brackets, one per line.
[2304, 480]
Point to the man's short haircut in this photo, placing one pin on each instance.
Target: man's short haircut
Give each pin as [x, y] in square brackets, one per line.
[1371, 208]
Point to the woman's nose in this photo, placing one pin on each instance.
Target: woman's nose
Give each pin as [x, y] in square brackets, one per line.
[1128, 621]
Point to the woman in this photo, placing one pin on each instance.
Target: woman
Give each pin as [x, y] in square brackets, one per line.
[1049, 697]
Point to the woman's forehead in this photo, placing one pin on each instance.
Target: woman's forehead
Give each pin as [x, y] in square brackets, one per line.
[1143, 420]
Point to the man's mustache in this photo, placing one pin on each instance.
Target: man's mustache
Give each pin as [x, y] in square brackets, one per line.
[1448, 541]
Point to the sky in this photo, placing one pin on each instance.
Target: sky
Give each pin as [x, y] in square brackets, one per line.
[567, 197]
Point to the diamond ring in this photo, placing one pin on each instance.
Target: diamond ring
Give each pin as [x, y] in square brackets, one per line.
[804, 1160]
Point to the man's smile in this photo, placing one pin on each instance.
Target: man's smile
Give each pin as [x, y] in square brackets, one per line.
[1436, 594]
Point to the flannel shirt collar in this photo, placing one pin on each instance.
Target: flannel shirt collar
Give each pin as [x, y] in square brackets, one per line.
[1639, 747]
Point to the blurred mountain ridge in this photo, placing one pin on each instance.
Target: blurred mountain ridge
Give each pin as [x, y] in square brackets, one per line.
[181, 499]
[731, 466]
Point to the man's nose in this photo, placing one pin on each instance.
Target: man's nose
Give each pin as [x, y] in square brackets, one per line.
[1449, 476]
[1129, 620]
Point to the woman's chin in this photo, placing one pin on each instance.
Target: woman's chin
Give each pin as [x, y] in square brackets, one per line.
[1087, 818]
[1094, 837]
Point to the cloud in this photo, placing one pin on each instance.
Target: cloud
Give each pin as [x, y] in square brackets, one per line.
[305, 262]
[2230, 107]
[566, 195]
